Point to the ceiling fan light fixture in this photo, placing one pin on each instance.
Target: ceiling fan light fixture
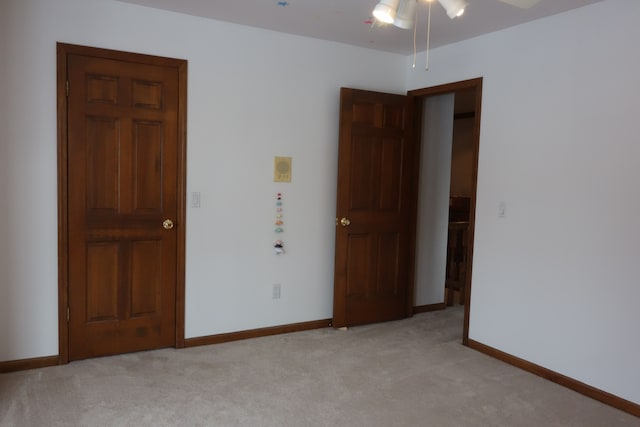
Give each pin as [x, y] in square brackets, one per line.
[454, 8]
[406, 14]
[385, 11]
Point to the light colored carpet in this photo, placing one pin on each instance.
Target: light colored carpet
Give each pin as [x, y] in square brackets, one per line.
[410, 372]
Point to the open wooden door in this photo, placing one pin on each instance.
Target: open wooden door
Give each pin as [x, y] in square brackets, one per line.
[123, 183]
[375, 217]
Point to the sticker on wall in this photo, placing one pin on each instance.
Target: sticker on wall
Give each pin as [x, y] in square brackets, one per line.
[278, 246]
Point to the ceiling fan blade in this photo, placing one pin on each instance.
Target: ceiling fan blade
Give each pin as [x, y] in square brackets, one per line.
[524, 4]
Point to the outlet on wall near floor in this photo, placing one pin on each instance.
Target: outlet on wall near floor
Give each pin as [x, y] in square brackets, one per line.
[275, 293]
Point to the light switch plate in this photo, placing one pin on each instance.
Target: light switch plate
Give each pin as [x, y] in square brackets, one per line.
[502, 210]
[195, 199]
[282, 169]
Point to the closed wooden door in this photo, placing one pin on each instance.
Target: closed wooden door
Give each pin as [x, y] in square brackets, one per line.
[375, 209]
[123, 208]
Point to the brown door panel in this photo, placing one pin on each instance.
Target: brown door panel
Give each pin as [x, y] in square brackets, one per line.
[123, 150]
[376, 196]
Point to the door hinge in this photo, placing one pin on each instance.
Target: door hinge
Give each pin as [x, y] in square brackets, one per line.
[68, 313]
[67, 88]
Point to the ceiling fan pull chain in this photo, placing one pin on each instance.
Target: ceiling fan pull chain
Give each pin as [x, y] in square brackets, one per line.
[415, 33]
[426, 68]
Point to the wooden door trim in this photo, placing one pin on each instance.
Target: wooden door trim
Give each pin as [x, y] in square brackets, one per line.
[412, 132]
[63, 50]
[419, 95]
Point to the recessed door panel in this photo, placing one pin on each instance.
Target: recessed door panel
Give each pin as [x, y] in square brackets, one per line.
[102, 142]
[387, 263]
[101, 89]
[359, 265]
[361, 173]
[389, 174]
[147, 173]
[103, 273]
[147, 94]
[394, 117]
[146, 277]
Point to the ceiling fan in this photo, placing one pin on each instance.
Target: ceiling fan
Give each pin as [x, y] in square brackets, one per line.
[401, 12]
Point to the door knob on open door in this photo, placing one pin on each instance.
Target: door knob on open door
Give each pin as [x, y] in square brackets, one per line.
[344, 222]
[167, 224]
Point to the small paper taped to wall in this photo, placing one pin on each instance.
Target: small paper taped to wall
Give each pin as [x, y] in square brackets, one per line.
[282, 169]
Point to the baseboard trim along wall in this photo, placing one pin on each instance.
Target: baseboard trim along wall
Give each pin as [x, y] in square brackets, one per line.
[429, 307]
[575, 385]
[284, 329]
[42, 362]
[255, 333]
[24, 364]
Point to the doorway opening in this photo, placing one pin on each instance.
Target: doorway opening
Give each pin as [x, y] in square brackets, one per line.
[460, 192]
[387, 145]
[448, 127]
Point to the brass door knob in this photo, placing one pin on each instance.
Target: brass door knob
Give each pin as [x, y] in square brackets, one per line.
[344, 222]
[167, 224]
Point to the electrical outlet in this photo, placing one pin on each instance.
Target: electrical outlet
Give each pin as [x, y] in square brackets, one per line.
[275, 293]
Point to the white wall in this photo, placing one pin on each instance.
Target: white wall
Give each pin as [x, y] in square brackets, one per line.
[556, 281]
[5, 185]
[253, 94]
[433, 198]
